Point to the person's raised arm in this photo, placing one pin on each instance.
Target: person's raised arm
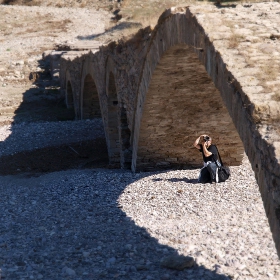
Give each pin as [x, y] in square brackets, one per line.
[196, 142]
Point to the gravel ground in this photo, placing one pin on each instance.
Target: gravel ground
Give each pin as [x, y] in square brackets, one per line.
[30, 136]
[113, 224]
[34, 148]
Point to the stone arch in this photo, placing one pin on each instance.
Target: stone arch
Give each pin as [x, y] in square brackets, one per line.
[90, 104]
[113, 139]
[181, 103]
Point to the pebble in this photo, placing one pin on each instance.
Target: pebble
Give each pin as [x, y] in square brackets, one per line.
[177, 262]
[86, 254]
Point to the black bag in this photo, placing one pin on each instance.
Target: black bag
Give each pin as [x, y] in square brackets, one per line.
[223, 171]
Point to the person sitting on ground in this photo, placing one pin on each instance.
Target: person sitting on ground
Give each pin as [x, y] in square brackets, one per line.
[209, 153]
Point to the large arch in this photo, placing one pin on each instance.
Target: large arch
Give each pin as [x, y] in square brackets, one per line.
[167, 114]
[90, 106]
[181, 103]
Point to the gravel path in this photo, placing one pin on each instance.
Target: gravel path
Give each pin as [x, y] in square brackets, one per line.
[112, 224]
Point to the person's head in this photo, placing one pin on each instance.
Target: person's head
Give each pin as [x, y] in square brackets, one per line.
[208, 140]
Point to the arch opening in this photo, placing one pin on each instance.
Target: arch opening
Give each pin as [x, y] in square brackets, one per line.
[69, 96]
[69, 101]
[125, 139]
[181, 103]
[113, 125]
[90, 103]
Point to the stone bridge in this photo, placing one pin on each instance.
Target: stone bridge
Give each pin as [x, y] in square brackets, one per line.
[201, 69]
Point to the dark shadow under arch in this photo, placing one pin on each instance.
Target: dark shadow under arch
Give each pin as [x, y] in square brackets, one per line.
[90, 99]
[70, 100]
[125, 139]
[69, 96]
[113, 125]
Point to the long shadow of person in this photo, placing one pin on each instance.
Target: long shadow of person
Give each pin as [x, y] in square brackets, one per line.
[185, 179]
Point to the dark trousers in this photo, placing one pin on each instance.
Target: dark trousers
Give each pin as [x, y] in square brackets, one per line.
[208, 173]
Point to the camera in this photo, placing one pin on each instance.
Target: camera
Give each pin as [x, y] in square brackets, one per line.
[206, 138]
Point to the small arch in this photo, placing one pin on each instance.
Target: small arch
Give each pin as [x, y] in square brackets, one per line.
[69, 96]
[125, 139]
[90, 100]
[113, 125]
[69, 101]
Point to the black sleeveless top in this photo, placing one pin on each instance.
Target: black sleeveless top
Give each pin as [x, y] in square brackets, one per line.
[211, 149]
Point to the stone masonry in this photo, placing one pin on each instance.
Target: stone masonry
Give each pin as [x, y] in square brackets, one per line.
[201, 69]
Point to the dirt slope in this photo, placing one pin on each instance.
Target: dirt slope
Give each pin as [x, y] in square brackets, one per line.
[27, 92]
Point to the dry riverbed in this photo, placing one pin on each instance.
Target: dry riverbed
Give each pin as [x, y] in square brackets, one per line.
[89, 222]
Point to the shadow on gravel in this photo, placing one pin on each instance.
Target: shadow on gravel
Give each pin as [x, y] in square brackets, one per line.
[71, 226]
[43, 100]
[174, 180]
[86, 154]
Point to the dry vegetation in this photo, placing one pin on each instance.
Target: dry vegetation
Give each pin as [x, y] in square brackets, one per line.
[235, 40]
[270, 71]
[23, 25]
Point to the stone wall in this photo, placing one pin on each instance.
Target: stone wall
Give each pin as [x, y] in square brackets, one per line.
[191, 74]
